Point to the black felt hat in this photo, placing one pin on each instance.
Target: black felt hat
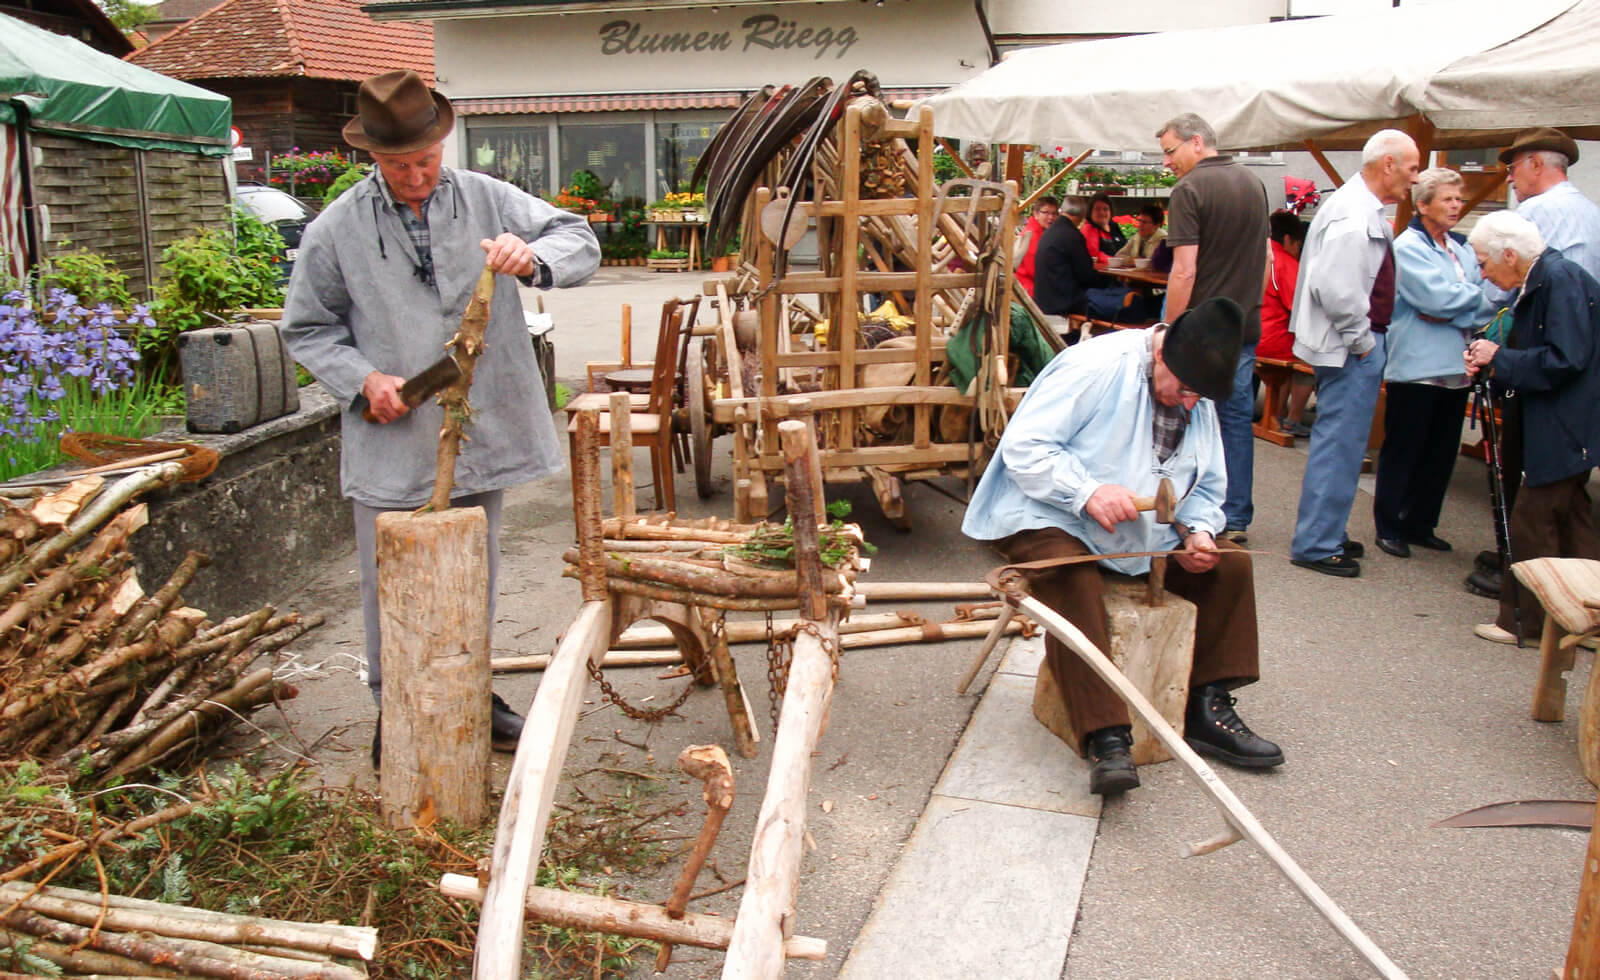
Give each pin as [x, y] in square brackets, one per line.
[1202, 347]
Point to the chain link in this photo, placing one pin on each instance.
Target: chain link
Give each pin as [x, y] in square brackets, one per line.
[647, 715]
[780, 655]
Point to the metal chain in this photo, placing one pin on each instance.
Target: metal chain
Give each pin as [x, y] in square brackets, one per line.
[647, 715]
[777, 670]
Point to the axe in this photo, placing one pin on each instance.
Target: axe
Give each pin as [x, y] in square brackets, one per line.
[433, 379]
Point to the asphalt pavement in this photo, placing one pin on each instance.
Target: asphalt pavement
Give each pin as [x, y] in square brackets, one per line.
[1391, 713]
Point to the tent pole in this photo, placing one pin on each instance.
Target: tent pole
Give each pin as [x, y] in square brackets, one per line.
[1027, 206]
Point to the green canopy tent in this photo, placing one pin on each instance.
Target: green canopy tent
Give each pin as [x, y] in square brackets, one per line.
[100, 153]
[64, 86]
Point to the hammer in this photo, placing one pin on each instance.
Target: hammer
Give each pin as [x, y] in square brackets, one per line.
[1164, 503]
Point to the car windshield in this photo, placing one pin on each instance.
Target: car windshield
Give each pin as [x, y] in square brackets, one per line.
[272, 205]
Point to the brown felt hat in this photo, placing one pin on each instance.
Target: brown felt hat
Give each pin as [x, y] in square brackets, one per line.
[1202, 347]
[398, 114]
[1541, 138]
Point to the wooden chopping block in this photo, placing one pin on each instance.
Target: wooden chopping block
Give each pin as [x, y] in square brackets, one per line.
[1153, 647]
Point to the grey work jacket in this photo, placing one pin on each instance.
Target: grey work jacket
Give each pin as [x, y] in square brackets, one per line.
[355, 306]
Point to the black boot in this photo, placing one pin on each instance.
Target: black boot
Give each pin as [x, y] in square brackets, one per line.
[505, 728]
[1484, 582]
[1487, 561]
[1110, 752]
[377, 741]
[1212, 727]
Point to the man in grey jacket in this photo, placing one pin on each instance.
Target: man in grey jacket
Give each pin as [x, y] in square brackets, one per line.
[380, 284]
[1342, 305]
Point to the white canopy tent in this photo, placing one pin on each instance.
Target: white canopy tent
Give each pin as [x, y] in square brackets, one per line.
[1458, 74]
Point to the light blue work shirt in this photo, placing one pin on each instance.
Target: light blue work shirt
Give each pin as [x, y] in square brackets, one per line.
[1086, 421]
[1568, 222]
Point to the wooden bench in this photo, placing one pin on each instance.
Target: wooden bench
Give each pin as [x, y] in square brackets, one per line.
[1153, 646]
[1569, 591]
[1276, 377]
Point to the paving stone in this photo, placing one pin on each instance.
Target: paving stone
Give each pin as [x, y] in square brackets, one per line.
[983, 890]
[1006, 756]
[1024, 656]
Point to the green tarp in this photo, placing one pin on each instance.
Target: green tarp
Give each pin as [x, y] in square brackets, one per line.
[70, 88]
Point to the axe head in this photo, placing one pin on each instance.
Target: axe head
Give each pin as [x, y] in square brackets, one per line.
[433, 379]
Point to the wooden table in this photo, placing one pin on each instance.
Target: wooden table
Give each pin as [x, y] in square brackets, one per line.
[1148, 278]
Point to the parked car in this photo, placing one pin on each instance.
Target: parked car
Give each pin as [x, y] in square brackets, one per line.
[281, 211]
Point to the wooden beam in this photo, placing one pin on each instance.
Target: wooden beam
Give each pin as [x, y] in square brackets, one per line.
[956, 156]
[599, 913]
[1322, 161]
[531, 790]
[1044, 188]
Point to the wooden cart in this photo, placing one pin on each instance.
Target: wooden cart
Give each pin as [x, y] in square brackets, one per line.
[884, 227]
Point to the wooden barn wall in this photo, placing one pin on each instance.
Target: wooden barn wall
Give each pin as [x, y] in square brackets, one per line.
[91, 195]
[276, 115]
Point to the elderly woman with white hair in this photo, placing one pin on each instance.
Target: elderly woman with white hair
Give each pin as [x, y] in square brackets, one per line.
[1438, 300]
[1551, 363]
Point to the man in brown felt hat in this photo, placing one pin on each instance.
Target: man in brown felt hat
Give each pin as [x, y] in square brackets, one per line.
[382, 279]
[1103, 423]
[1536, 168]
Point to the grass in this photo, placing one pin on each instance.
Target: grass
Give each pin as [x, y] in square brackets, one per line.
[135, 410]
[274, 846]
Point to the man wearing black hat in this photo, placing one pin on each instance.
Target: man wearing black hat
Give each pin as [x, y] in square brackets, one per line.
[380, 284]
[1102, 424]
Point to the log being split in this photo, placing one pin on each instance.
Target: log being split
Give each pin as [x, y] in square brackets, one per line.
[1241, 823]
[599, 913]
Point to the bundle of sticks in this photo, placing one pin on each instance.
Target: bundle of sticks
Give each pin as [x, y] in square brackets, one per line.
[713, 563]
[96, 677]
[90, 934]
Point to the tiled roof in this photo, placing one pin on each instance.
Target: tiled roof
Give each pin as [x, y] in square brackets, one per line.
[329, 39]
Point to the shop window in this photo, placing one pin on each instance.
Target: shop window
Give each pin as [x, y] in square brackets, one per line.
[519, 155]
[613, 152]
[678, 149]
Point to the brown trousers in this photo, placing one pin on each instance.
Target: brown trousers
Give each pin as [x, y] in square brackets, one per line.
[1552, 521]
[1226, 647]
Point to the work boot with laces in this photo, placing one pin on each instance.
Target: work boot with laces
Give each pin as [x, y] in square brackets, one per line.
[1110, 753]
[1213, 728]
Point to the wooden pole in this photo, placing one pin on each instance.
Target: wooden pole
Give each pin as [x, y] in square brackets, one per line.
[894, 591]
[1583, 950]
[433, 603]
[467, 345]
[1323, 162]
[530, 793]
[625, 348]
[744, 734]
[989, 643]
[709, 764]
[766, 912]
[1234, 813]
[586, 506]
[622, 503]
[599, 913]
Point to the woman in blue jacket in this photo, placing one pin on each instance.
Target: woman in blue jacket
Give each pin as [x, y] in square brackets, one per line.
[1438, 300]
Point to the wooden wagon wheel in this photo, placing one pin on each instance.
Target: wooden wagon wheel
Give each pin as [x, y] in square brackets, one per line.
[699, 424]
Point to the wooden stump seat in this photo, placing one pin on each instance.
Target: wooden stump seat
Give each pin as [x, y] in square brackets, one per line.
[1569, 591]
[1153, 646]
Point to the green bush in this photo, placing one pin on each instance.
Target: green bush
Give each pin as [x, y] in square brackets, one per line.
[350, 178]
[92, 278]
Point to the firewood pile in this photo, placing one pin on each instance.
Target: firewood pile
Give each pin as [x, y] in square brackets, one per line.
[99, 680]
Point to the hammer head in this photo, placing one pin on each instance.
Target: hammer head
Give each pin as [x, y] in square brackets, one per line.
[1166, 501]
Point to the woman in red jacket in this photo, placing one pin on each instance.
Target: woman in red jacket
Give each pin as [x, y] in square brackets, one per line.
[1288, 233]
[1044, 215]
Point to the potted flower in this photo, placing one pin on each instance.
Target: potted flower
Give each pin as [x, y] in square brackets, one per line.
[668, 260]
[679, 206]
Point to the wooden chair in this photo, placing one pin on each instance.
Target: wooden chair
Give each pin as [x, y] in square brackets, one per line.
[1569, 591]
[1276, 376]
[651, 415]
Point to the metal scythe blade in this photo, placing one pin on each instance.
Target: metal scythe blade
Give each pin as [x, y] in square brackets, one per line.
[1526, 813]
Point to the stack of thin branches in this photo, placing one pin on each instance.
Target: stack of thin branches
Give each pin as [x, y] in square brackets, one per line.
[97, 678]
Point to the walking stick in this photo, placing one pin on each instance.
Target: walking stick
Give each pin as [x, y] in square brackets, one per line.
[1497, 494]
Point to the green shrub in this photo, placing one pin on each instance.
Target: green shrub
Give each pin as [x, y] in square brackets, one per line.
[92, 278]
[350, 178]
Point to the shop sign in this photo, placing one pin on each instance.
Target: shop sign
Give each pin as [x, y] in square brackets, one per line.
[763, 31]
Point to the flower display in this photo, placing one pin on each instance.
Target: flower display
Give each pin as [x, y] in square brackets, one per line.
[45, 353]
[307, 173]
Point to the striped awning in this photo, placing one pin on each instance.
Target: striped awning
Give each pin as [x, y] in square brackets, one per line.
[623, 101]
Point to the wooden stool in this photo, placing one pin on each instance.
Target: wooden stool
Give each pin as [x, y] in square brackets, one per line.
[1569, 591]
[1276, 377]
[1153, 646]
